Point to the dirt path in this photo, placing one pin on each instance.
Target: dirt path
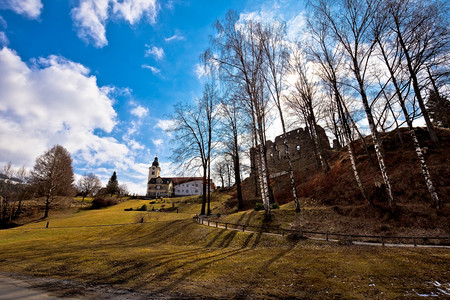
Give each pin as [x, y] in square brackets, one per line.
[36, 288]
[11, 288]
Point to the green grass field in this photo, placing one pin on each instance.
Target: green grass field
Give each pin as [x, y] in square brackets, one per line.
[172, 255]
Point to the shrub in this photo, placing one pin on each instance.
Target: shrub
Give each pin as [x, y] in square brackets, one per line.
[275, 205]
[101, 203]
[143, 208]
[259, 206]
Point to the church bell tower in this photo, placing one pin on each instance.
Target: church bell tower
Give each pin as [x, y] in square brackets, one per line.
[154, 170]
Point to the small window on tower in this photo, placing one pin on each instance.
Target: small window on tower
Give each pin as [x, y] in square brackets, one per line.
[153, 173]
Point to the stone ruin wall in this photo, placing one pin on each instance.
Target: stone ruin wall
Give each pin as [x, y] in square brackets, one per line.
[301, 147]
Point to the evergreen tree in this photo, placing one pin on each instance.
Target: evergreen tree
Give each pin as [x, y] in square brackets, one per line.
[113, 185]
[439, 110]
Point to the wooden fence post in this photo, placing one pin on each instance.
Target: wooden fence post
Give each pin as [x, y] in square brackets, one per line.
[243, 228]
[226, 225]
[48, 222]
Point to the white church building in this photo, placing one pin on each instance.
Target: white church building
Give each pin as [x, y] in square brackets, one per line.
[158, 186]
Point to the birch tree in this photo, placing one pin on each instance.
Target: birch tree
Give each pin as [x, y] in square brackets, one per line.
[349, 22]
[273, 41]
[422, 34]
[305, 101]
[391, 55]
[329, 61]
[240, 57]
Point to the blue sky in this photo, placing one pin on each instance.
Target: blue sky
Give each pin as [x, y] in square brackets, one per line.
[100, 77]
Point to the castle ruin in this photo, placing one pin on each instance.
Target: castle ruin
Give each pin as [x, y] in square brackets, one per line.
[301, 147]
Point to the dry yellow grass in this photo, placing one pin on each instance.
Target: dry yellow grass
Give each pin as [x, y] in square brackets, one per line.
[172, 255]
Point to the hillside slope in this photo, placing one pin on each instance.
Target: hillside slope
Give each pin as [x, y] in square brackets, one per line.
[333, 201]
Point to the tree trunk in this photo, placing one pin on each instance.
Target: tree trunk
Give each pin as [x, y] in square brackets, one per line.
[203, 209]
[418, 148]
[237, 174]
[348, 141]
[415, 82]
[376, 141]
[47, 206]
[288, 155]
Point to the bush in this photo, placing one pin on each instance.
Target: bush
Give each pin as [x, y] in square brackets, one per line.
[143, 208]
[275, 205]
[98, 203]
[259, 206]
[101, 203]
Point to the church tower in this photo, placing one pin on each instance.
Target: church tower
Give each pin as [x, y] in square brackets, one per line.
[154, 170]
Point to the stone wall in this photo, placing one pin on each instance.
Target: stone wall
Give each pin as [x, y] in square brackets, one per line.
[301, 147]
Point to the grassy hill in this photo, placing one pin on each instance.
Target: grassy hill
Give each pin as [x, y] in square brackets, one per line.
[169, 255]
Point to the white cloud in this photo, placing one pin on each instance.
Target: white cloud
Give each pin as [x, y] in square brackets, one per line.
[135, 145]
[90, 19]
[139, 111]
[55, 101]
[29, 8]
[133, 10]
[158, 142]
[151, 68]
[295, 26]
[200, 71]
[165, 124]
[174, 37]
[158, 53]
[91, 16]
[3, 39]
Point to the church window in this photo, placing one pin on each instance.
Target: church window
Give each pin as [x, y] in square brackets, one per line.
[153, 173]
[158, 187]
[196, 191]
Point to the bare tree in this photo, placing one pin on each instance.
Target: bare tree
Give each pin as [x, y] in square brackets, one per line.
[273, 41]
[89, 184]
[391, 56]
[349, 22]
[421, 31]
[329, 62]
[304, 100]
[53, 175]
[123, 190]
[240, 58]
[194, 141]
[232, 115]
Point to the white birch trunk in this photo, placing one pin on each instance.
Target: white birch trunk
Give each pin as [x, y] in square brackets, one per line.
[262, 172]
[381, 164]
[426, 173]
[355, 170]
